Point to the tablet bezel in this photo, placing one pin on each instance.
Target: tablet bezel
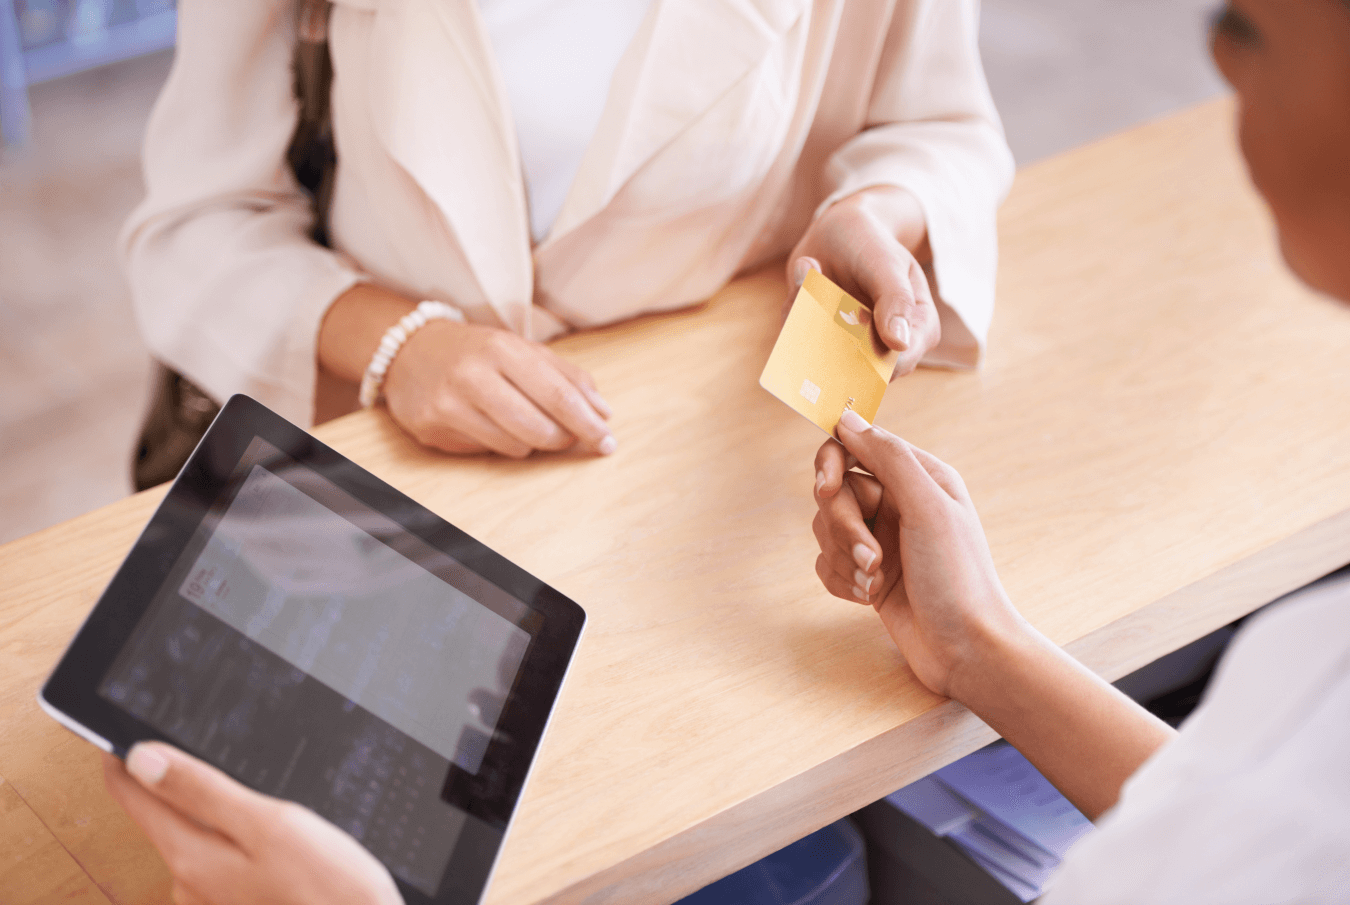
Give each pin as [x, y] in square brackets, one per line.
[71, 692]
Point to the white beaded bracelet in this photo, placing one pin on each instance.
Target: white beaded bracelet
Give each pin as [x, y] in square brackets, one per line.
[393, 340]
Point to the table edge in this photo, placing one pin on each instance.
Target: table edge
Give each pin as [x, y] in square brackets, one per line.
[843, 784]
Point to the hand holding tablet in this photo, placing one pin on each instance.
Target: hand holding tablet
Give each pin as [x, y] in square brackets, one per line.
[226, 844]
[297, 623]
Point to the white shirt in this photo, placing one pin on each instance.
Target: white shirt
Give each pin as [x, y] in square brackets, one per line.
[1250, 804]
[556, 58]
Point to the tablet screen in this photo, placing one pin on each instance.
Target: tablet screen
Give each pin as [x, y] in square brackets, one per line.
[317, 650]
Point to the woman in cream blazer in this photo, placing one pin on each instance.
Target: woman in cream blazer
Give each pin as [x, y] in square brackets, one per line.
[860, 134]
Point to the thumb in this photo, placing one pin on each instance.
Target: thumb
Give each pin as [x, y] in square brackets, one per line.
[887, 457]
[890, 283]
[197, 789]
[800, 267]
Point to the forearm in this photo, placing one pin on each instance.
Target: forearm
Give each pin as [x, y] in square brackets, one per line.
[1085, 736]
[353, 326]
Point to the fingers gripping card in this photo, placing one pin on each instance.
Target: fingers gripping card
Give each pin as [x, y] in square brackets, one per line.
[828, 358]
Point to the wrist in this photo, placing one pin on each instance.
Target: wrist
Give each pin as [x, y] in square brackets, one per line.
[392, 342]
[997, 648]
[353, 326]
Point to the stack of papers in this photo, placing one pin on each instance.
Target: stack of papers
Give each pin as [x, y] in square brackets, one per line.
[1001, 812]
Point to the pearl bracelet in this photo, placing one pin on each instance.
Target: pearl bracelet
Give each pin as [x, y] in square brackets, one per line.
[393, 340]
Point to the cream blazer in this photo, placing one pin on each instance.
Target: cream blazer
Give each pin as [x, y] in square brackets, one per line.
[729, 124]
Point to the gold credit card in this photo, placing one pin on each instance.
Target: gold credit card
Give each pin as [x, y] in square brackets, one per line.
[828, 358]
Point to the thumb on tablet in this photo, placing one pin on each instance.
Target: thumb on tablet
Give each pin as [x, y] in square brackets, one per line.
[198, 790]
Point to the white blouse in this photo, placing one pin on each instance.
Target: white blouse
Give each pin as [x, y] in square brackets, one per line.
[1250, 804]
[556, 59]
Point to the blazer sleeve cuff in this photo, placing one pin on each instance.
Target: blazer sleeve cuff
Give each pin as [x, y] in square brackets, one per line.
[960, 209]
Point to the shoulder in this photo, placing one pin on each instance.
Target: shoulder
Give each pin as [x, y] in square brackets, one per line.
[1251, 802]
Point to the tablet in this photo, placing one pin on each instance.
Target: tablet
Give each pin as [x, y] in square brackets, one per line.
[303, 626]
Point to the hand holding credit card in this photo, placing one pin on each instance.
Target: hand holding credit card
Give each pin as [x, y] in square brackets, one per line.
[828, 358]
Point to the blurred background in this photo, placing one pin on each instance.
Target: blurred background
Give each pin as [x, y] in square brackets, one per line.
[78, 79]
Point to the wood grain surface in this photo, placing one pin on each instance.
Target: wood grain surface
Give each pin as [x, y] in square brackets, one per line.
[1157, 443]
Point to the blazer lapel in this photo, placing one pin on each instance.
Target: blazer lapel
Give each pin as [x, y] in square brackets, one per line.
[440, 111]
[683, 61]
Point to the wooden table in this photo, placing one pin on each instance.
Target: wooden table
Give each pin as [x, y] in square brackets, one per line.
[1158, 443]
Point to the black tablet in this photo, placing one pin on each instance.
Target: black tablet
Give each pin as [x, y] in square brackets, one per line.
[300, 624]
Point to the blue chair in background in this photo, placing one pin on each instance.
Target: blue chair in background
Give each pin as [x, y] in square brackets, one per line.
[828, 867]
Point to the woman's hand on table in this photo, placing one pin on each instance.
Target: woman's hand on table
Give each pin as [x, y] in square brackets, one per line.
[226, 844]
[871, 244]
[906, 539]
[467, 388]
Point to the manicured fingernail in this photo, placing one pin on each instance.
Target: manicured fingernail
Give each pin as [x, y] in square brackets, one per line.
[863, 580]
[853, 421]
[147, 764]
[863, 556]
[820, 480]
[859, 593]
[800, 270]
[900, 329]
[608, 445]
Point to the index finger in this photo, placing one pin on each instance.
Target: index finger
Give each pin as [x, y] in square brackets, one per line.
[584, 382]
[910, 484]
[559, 398]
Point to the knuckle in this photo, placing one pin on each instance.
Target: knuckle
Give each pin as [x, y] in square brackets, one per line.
[186, 868]
[560, 397]
[902, 295]
[823, 570]
[446, 410]
[844, 567]
[429, 436]
[827, 454]
[504, 345]
[472, 375]
[577, 418]
[422, 422]
[286, 815]
[555, 439]
[423, 425]
[280, 822]
[459, 445]
[844, 537]
[506, 443]
[536, 437]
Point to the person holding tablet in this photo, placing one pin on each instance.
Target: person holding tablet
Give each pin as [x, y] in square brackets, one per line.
[1248, 803]
[495, 188]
